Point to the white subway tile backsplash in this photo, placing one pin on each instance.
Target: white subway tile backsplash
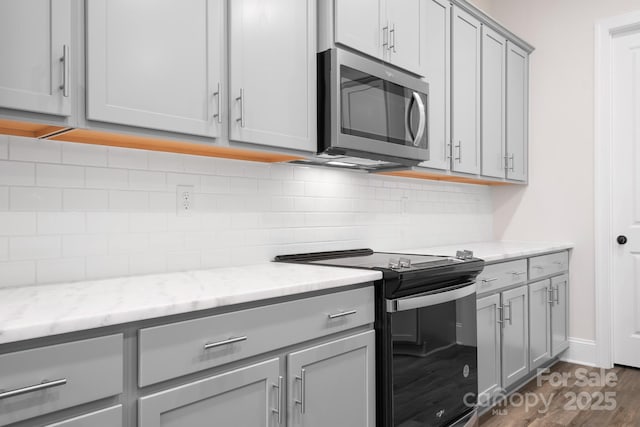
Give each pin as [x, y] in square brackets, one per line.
[100, 267]
[84, 154]
[17, 173]
[111, 211]
[59, 176]
[34, 247]
[18, 273]
[85, 200]
[107, 178]
[34, 150]
[60, 270]
[35, 199]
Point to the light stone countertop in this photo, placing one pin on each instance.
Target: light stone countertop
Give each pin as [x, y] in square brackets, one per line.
[494, 251]
[43, 310]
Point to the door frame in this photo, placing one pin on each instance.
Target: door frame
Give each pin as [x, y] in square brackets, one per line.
[605, 31]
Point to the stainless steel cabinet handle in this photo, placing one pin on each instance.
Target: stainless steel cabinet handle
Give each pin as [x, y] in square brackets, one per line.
[65, 71]
[342, 314]
[506, 161]
[423, 119]
[225, 342]
[42, 386]
[510, 316]
[448, 151]
[489, 280]
[537, 267]
[301, 401]
[512, 163]
[459, 147]
[278, 411]
[558, 262]
[550, 296]
[392, 37]
[241, 100]
[501, 315]
[385, 36]
[516, 273]
[557, 298]
[218, 95]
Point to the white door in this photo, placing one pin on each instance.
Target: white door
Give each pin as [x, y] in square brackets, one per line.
[358, 25]
[489, 344]
[540, 300]
[404, 33]
[155, 65]
[435, 45]
[494, 48]
[515, 335]
[517, 112]
[272, 72]
[465, 91]
[626, 198]
[35, 49]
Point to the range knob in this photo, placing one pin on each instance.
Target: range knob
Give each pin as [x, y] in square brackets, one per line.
[393, 263]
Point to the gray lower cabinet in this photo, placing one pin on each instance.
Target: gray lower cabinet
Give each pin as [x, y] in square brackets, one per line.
[540, 324]
[515, 335]
[559, 314]
[333, 384]
[110, 417]
[247, 396]
[489, 347]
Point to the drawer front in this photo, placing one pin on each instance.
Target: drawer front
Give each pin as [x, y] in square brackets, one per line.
[545, 265]
[177, 349]
[46, 379]
[501, 275]
[110, 417]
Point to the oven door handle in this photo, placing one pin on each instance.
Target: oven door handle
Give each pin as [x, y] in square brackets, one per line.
[411, 303]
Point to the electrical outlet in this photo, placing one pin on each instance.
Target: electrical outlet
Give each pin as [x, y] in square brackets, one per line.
[184, 199]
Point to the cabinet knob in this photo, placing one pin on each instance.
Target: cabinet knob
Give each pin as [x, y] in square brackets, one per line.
[621, 239]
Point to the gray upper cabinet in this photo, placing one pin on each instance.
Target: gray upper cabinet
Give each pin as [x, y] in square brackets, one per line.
[272, 73]
[489, 345]
[539, 325]
[517, 112]
[357, 25]
[248, 396]
[403, 18]
[559, 314]
[35, 47]
[333, 384]
[515, 336]
[465, 90]
[435, 42]
[156, 66]
[493, 102]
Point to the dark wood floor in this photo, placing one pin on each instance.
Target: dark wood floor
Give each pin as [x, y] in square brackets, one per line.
[573, 402]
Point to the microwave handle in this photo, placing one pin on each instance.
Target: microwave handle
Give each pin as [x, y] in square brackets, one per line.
[410, 303]
[423, 119]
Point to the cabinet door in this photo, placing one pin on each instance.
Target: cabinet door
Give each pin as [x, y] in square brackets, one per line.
[404, 33]
[358, 25]
[539, 323]
[333, 384]
[155, 65]
[243, 397]
[515, 336]
[35, 47]
[272, 62]
[110, 417]
[494, 48]
[435, 47]
[465, 90]
[560, 315]
[488, 348]
[517, 111]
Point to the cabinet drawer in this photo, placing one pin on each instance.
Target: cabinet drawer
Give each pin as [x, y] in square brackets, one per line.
[46, 379]
[545, 265]
[501, 275]
[177, 349]
[110, 417]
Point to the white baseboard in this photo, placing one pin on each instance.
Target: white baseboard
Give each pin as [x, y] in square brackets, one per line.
[581, 351]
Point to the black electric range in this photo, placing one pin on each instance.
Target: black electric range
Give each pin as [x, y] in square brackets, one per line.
[426, 351]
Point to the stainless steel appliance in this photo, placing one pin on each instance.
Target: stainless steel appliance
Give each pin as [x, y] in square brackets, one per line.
[369, 110]
[426, 351]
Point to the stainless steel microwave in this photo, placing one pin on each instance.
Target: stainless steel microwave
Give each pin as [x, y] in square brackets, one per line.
[369, 110]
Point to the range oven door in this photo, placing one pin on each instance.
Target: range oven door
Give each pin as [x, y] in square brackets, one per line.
[433, 352]
[368, 109]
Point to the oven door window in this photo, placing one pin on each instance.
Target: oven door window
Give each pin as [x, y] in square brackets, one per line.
[434, 363]
[377, 109]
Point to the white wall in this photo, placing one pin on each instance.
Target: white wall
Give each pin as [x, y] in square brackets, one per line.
[558, 204]
[74, 211]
